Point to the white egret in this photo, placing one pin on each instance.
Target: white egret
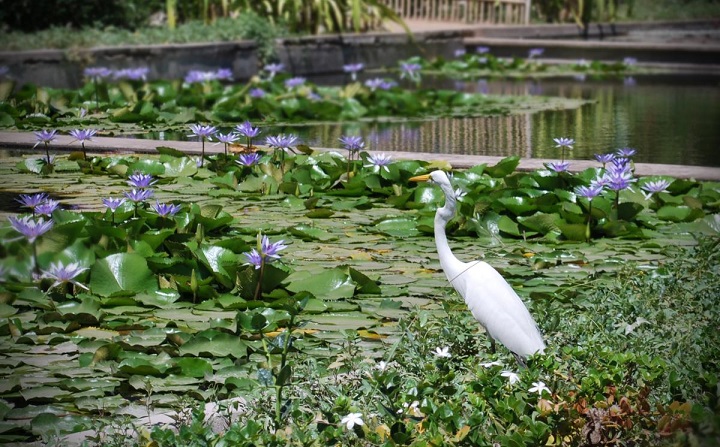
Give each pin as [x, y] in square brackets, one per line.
[492, 301]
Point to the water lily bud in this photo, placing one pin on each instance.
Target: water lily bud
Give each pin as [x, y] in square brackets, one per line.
[175, 339]
[193, 282]
[102, 353]
[200, 233]
[14, 330]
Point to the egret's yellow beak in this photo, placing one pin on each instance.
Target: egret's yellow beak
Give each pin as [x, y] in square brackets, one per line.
[420, 178]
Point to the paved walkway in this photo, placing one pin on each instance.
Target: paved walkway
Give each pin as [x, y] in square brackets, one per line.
[26, 140]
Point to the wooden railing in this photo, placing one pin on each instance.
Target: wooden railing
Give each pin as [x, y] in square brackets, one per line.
[464, 11]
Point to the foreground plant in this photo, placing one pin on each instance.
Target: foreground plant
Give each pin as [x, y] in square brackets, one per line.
[204, 132]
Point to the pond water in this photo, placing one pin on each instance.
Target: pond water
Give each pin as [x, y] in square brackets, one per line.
[668, 119]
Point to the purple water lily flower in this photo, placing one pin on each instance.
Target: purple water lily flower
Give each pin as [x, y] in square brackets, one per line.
[46, 208]
[29, 227]
[248, 131]
[482, 50]
[655, 187]
[626, 152]
[140, 180]
[379, 84]
[83, 135]
[32, 200]
[620, 164]
[224, 74]
[589, 192]
[132, 74]
[618, 177]
[113, 203]
[138, 195]
[535, 52]
[249, 159]
[165, 209]
[268, 252]
[353, 69]
[64, 274]
[274, 69]
[205, 133]
[97, 73]
[254, 258]
[294, 82]
[256, 92]
[605, 158]
[629, 81]
[202, 131]
[199, 77]
[410, 70]
[629, 61]
[558, 166]
[45, 137]
[352, 143]
[618, 182]
[284, 142]
[379, 161]
[227, 139]
[271, 250]
[564, 143]
[281, 143]
[460, 52]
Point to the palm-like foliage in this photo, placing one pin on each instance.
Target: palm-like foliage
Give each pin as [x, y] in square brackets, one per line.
[318, 16]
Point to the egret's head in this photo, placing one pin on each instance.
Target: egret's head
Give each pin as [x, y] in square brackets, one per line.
[439, 177]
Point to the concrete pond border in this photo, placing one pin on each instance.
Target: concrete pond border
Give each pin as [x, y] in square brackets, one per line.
[22, 141]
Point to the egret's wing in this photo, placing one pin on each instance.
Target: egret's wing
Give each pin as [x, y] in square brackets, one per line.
[494, 303]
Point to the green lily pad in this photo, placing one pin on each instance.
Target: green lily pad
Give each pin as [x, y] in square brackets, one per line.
[122, 274]
[215, 344]
[680, 213]
[397, 226]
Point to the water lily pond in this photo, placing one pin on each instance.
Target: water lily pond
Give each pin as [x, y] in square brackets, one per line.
[278, 295]
[169, 311]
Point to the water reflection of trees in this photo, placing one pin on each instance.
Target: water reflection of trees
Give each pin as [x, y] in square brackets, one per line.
[667, 121]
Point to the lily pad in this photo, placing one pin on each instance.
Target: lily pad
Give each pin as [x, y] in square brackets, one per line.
[122, 274]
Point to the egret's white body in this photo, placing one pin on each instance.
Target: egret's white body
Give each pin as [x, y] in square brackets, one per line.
[492, 301]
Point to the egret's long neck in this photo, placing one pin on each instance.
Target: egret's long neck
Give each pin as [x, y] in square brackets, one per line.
[449, 263]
